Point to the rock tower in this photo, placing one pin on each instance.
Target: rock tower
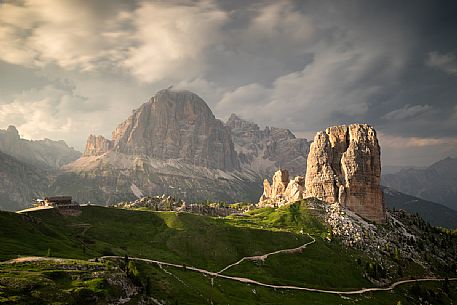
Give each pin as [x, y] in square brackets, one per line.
[344, 166]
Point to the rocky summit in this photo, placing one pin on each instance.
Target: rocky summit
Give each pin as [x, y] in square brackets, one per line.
[344, 166]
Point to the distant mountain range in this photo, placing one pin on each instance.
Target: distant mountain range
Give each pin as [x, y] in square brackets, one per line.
[434, 213]
[437, 183]
[42, 153]
[173, 144]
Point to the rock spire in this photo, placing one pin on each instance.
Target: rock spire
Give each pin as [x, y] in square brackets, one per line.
[344, 166]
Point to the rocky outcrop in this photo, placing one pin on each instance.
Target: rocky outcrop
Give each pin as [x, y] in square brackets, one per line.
[282, 190]
[97, 145]
[42, 153]
[263, 151]
[177, 124]
[344, 166]
[169, 203]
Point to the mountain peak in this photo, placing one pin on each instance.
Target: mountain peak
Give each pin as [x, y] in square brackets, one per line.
[174, 124]
[12, 132]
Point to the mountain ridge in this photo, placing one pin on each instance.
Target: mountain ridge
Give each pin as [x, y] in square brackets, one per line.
[437, 183]
[43, 153]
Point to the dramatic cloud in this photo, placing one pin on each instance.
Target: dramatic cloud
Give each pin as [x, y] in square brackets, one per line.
[70, 34]
[303, 65]
[445, 62]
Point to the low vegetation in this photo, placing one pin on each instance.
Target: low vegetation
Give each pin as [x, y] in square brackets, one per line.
[209, 243]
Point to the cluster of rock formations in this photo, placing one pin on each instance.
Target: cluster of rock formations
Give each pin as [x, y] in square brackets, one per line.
[169, 203]
[343, 167]
[282, 190]
[173, 144]
[155, 203]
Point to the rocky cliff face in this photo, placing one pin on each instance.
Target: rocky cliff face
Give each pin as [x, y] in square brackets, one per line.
[177, 125]
[97, 145]
[42, 153]
[344, 166]
[264, 151]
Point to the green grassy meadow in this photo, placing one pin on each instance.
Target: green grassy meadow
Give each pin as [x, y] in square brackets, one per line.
[188, 240]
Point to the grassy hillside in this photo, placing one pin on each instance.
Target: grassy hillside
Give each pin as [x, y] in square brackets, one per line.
[187, 240]
[61, 282]
[175, 237]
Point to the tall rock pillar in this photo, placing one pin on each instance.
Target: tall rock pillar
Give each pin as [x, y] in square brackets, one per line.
[344, 166]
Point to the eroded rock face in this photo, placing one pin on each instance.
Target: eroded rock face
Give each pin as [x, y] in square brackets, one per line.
[177, 124]
[263, 151]
[97, 145]
[282, 190]
[344, 166]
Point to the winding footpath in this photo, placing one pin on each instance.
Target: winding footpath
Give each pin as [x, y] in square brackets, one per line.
[265, 256]
[289, 287]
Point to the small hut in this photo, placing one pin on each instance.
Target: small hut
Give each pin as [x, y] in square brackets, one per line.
[57, 201]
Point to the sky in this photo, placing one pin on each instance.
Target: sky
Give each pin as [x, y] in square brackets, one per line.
[73, 68]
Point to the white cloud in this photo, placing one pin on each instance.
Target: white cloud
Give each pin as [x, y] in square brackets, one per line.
[407, 112]
[170, 38]
[276, 26]
[66, 33]
[46, 111]
[446, 62]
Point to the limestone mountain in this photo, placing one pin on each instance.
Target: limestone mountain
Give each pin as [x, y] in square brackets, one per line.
[20, 183]
[265, 151]
[43, 153]
[173, 125]
[172, 144]
[437, 183]
[344, 166]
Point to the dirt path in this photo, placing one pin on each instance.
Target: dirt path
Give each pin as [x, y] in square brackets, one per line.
[265, 256]
[250, 281]
[290, 287]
